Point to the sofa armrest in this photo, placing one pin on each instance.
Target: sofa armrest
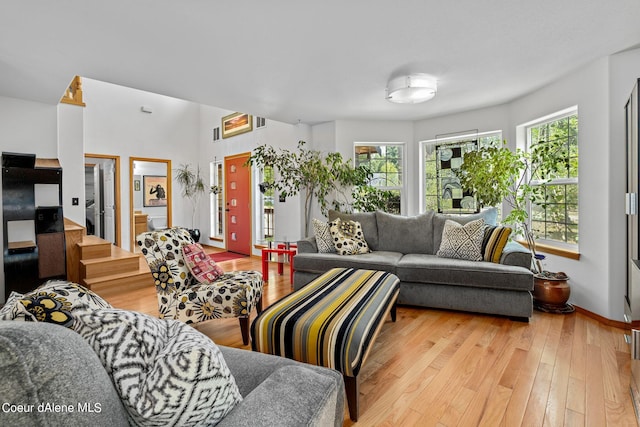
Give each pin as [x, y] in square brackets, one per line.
[292, 396]
[516, 254]
[308, 245]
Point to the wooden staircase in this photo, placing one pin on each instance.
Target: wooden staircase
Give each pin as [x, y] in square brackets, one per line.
[107, 269]
[102, 267]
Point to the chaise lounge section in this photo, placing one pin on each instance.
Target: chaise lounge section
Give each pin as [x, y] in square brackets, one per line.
[408, 246]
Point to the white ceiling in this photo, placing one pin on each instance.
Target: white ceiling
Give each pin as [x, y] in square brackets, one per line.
[292, 60]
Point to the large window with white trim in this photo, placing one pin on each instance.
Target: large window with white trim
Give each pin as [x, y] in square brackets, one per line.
[386, 162]
[440, 159]
[555, 218]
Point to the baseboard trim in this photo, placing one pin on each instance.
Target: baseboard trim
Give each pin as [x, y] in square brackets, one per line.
[613, 323]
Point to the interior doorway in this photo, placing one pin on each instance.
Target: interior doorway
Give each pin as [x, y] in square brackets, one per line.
[238, 203]
[102, 196]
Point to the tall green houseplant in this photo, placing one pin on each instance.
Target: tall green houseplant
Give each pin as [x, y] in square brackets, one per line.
[496, 174]
[316, 175]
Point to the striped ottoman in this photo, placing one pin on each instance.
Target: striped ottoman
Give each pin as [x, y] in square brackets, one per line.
[331, 322]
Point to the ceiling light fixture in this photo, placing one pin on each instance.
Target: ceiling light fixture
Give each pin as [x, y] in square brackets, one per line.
[411, 89]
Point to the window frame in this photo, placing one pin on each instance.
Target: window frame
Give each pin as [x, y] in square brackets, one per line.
[524, 130]
[216, 201]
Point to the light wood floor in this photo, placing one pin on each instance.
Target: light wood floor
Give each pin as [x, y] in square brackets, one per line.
[440, 368]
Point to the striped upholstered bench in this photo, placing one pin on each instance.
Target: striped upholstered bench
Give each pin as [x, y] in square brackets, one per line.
[331, 322]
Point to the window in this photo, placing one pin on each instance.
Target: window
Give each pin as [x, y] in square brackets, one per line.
[385, 160]
[267, 193]
[441, 190]
[556, 219]
[216, 200]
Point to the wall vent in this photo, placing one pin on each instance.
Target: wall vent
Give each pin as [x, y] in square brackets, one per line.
[260, 122]
[216, 134]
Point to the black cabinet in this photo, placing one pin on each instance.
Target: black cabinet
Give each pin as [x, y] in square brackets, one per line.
[33, 235]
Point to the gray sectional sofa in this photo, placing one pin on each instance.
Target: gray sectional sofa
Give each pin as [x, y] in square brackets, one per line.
[407, 247]
[52, 377]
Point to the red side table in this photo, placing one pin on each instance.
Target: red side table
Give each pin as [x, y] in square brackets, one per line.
[281, 250]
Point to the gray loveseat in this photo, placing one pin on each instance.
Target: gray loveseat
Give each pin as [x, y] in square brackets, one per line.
[407, 247]
[51, 377]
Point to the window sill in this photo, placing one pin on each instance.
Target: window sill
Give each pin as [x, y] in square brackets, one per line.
[553, 250]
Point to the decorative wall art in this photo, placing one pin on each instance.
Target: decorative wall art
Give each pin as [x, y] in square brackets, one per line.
[155, 190]
[235, 124]
[452, 198]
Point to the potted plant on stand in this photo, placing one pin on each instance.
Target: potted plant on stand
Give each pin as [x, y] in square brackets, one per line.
[192, 188]
[496, 174]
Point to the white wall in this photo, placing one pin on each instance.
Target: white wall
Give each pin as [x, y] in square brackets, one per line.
[70, 154]
[287, 216]
[115, 125]
[27, 127]
[588, 88]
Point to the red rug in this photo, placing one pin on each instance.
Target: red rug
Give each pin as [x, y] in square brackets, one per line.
[225, 256]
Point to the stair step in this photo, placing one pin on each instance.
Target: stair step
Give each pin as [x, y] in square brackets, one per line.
[115, 284]
[92, 247]
[120, 261]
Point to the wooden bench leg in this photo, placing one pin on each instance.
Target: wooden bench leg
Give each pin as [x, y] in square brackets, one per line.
[393, 311]
[351, 387]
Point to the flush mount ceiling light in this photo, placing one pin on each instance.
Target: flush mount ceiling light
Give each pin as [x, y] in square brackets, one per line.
[411, 89]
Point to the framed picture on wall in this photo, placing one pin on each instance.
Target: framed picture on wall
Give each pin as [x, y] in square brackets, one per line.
[155, 190]
[235, 124]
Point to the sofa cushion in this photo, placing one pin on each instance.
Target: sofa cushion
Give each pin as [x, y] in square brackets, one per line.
[462, 241]
[405, 234]
[347, 237]
[47, 364]
[367, 221]
[322, 234]
[319, 263]
[422, 268]
[166, 372]
[203, 268]
[490, 217]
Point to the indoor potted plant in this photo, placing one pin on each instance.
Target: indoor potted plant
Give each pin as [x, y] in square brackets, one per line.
[193, 188]
[317, 175]
[496, 174]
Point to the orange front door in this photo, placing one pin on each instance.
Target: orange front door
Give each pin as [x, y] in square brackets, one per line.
[238, 199]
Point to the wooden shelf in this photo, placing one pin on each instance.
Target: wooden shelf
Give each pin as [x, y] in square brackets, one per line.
[23, 246]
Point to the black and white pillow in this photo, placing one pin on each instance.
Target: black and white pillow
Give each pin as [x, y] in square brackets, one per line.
[462, 241]
[166, 372]
[324, 241]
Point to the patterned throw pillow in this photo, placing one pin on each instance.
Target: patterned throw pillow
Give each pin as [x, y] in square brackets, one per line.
[54, 302]
[462, 241]
[323, 236]
[13, 310]
[166, 372]
[495, 239]
[348, 238]
[203, 268]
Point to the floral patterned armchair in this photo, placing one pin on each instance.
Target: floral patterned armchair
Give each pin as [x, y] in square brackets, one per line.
[182, 297]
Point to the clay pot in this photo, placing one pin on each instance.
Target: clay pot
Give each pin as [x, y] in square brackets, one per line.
[550, 291]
